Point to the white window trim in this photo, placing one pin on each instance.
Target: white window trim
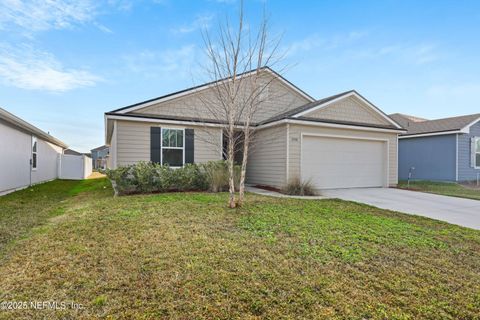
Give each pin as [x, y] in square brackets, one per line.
[177, 148]
[34, 140]
[476, 152]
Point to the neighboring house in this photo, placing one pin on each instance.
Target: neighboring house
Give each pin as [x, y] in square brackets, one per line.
[28, 155]
[100, 157]
[439, 150]
[341, 141]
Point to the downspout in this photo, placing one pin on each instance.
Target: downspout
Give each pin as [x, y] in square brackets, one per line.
[456, 158]
[287, 169]
[31, 159]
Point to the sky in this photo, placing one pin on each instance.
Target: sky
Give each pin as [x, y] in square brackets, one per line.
[64, 63]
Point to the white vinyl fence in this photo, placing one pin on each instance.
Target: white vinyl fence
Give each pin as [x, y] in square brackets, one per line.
[74, 167]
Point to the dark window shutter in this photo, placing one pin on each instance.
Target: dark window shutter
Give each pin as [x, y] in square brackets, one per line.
[189, 145]
[155, 144]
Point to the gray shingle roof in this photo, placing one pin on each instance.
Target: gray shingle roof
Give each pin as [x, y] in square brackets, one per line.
[415, 125]
[286, 115]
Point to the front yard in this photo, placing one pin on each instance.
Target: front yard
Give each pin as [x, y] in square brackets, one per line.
[185, 256]
[469, 191]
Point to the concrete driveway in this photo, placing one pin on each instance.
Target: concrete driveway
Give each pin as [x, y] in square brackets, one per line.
[463, 212]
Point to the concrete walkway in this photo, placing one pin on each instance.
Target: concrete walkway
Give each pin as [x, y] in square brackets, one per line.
[463, 212]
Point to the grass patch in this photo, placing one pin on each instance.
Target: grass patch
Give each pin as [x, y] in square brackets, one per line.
[336, 229]
[185, 256]
[443, 188]
[27, 209]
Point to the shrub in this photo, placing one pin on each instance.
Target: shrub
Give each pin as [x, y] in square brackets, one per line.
[297, 187]
[189, 177]
[148, 177]
[216, 175]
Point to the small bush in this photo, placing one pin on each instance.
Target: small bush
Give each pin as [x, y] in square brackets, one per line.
[216, 175]
[297, 187]
[148, 177]
[188, 177]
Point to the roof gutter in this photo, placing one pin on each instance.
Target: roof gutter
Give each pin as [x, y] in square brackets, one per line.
[22, 124]
[262, 126]
[430, 134]
[329, 125]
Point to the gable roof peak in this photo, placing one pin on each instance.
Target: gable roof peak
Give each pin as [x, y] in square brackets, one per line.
[206, 85]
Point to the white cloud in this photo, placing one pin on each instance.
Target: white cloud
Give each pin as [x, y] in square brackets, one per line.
[315, 41]
[417, 54]
[200, 22]
[35, 70]
[39, 15]
[103, 28]
[454, 91]
[173, 62]
[224, 1]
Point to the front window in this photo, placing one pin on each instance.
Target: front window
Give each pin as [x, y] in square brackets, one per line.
[34, 153]
[173, 147]
[477, 152]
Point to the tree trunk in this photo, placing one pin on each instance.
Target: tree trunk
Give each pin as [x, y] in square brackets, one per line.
[246, 143]
[231, 172]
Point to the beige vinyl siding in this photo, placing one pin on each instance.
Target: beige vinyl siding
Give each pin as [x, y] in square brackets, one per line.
[280, 99]
[349, 109]
[133, 142]
[267, 160]
[295, 132]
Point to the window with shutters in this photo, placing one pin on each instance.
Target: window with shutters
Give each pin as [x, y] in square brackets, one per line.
[477, 152]
[173, 147]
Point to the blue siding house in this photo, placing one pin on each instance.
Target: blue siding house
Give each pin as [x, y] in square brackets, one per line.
[439, 150]
[100, 157]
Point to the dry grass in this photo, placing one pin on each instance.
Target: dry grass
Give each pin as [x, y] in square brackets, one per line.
[185, 256]
[96, 175]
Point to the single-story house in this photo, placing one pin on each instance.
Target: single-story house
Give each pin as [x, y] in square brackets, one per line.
[439, 150]
[100, 157]
[342, 141]
[28, 155]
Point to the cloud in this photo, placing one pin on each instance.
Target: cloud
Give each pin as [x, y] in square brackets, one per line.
[31, 69]
[354, 45]
[224, 1]
[39, 15]
[456, 91]
[200, 22]
[102, 28]
[158, 63]
[417, 54]
[315, 41]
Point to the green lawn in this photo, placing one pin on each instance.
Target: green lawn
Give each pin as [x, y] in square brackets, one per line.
[185, 256]
[443, 188]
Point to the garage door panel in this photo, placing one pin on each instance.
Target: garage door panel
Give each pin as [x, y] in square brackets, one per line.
[343, 163]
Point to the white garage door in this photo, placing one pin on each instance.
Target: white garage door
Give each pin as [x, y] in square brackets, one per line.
[343, 163]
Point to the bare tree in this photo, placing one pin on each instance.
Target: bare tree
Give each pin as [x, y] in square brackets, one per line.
[237, 58]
